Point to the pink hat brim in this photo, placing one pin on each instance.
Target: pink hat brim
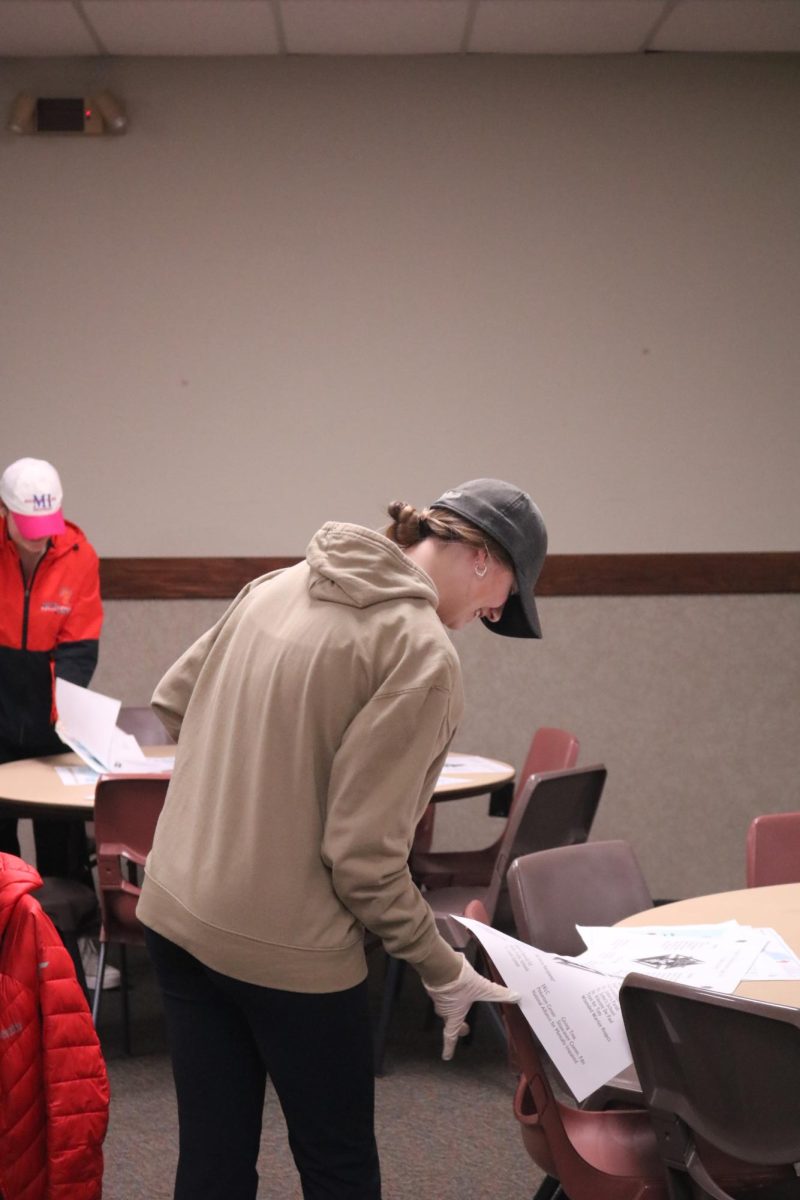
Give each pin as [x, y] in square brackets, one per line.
[48, 525]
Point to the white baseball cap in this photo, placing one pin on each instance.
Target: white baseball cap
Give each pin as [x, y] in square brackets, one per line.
[31, 489]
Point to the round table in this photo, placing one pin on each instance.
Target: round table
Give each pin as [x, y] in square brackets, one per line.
[472, 775]
[776, 907]
[32, 787]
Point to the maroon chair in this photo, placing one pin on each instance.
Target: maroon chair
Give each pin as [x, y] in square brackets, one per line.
[615, 1153]
[550, 750]
[586, 1154]
[773, 849]
[126, 810]
[589, 883]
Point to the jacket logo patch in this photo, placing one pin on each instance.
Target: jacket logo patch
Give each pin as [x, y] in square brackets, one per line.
[51, 606]
[10, 1030]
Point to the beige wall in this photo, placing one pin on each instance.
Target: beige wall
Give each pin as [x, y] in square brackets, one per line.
[692, 703]
[297, 289]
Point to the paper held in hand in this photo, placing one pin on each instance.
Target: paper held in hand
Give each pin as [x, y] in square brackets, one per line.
[572, 1004]
[87, 722]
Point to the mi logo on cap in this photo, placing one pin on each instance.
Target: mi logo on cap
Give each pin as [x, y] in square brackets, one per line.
[43, 502]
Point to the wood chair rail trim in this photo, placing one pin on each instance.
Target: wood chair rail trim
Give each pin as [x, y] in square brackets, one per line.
[733, 573]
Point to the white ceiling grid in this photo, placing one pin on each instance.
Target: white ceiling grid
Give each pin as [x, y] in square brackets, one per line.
[56, 28]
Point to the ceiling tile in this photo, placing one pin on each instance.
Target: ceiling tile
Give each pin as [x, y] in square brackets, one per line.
[563, 26]
[184, 26]
[374, 26]
[39, 28]
[744, 26]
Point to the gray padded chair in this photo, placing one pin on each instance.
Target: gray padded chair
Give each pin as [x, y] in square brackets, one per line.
[550, 750]
[552, 891]
[719, 1074]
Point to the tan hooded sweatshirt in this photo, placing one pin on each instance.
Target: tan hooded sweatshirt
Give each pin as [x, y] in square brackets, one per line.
[313, 720]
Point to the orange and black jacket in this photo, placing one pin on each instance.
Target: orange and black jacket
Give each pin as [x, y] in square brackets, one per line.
[51, 627]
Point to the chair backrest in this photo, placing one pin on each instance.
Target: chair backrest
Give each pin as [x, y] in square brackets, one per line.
[550, 750]
[144, 725]
[608, 1154]
[773, 849]
[126, 810]
[719, 1068]
[590, 883]
[556, 808]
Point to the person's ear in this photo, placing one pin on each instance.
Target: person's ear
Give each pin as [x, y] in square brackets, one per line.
[481, 565]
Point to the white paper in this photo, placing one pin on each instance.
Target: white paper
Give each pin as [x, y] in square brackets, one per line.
[666, 952]
[776, 960]
[76, 776]
[87, 722]
[473, 763]
[146, 766]
[716, 930]
[574, 1012]
[125, 753]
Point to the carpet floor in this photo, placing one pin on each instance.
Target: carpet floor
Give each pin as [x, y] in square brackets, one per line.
[445, 1130]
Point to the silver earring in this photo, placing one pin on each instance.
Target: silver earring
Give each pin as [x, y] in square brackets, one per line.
[480, 573]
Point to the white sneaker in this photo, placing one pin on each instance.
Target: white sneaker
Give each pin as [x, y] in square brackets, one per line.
[90, 952]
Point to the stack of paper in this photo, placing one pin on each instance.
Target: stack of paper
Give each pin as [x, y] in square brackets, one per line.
[87, 722]
[458, 768]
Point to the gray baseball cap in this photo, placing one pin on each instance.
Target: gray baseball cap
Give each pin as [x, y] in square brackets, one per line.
[508, 515]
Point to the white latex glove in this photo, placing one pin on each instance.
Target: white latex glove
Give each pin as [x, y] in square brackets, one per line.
[453, 1001]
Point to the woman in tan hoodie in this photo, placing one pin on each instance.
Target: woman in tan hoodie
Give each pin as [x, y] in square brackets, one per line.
[312, 722]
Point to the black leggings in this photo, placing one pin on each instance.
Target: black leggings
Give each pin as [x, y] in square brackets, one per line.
[226, 1037]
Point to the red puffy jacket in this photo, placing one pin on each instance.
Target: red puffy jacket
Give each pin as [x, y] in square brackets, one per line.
[53, 1083]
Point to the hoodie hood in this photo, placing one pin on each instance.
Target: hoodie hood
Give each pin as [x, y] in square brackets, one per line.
[16, 878]
[359, 567]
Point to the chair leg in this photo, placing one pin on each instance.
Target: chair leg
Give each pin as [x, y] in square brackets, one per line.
[98, 983]
[126, 1014]
[395, 968]
[497, 1022]
[492, 1009]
